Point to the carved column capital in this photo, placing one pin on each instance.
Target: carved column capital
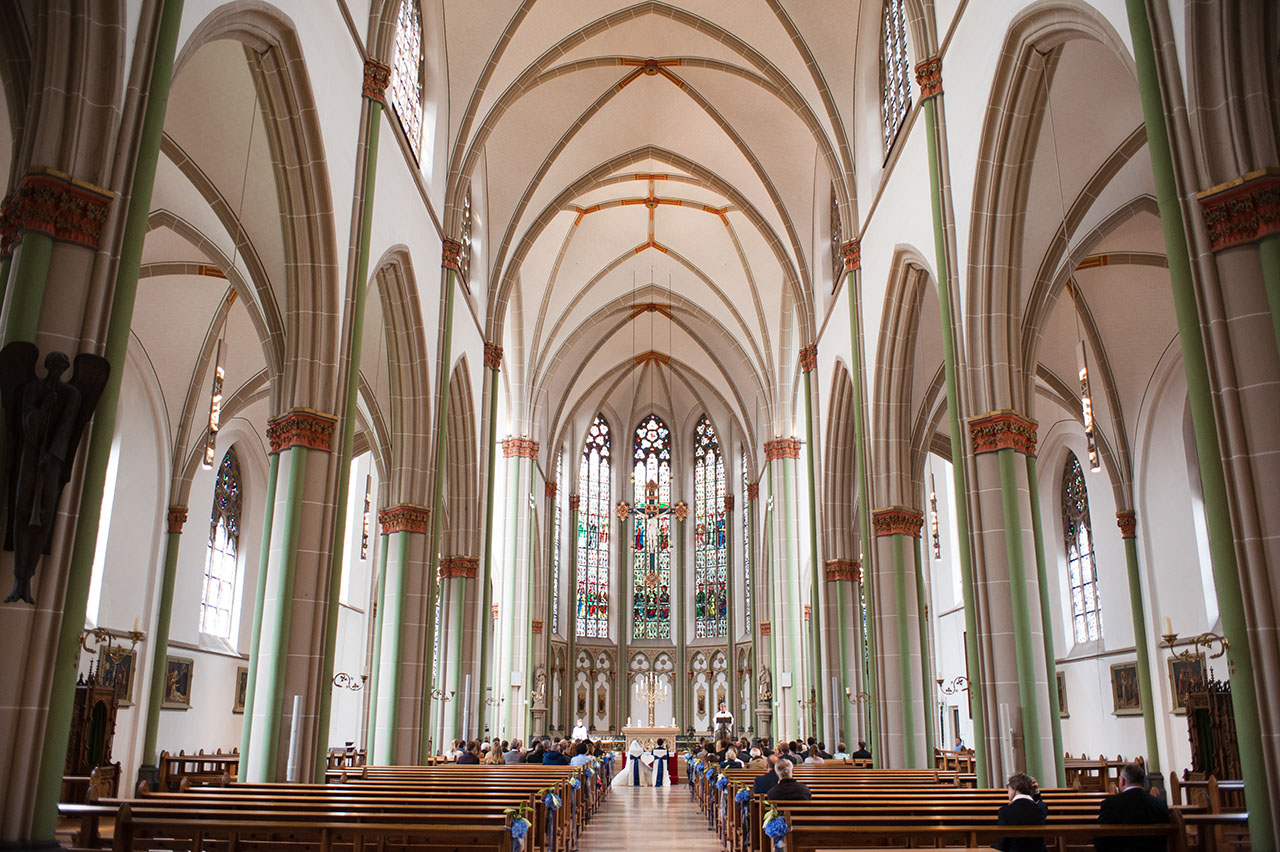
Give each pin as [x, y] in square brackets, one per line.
[851, 252]
[549, 490]
[1127, 521]
[177, 516]
[462, 567]
[843, 571]
[376, 79]
[405, 517]
[525, 448]
[493, 356]
[929, 76]
[450, 254]
[56, 204]
[766, 628]
[753, 490]
[999, 430]
[809, 357]
[897, 520]
[301, 427]
[782, 448]
[574, 502]
[729, 502]
[1242, 210]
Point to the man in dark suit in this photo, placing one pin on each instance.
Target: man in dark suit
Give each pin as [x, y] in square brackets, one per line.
[1024, 808]
[788, 788]
[1132, 805]
[765, 782]
[861, 753]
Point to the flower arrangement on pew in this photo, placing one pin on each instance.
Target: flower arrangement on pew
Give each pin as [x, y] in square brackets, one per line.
[520, 825]
[775, 825]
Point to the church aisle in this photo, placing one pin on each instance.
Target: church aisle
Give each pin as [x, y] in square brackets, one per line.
[636, 818]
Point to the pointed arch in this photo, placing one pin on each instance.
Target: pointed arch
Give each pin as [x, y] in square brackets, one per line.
[652, 540]
[461, 534]
[594, 491]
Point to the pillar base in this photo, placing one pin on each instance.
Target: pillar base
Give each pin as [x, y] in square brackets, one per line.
[148, 773]
[764, 721]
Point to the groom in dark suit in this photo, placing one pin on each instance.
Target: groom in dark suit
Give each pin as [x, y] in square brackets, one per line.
[1132, 805]
[1024, 808]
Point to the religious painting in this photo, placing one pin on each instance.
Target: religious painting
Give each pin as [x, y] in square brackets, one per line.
[1062, 695]
[1185, 676]
[602, 702]
[116, 669]
[702, 701]
[178, 673]
[1126, 699]
[582, 701]
[242, 688]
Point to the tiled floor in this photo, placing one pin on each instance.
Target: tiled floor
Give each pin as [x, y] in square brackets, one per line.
[646, 818]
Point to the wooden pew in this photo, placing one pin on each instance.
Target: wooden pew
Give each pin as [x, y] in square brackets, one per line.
[198, 769]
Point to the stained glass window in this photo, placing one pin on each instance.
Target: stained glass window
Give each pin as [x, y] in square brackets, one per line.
[746, 545]
[895, 74]
[1082, 574]
[464, 237]
[651, 538]
[592, 600]
[405, 87]
[220, 563]
[555, 550]
[710, 550]
[837, 239]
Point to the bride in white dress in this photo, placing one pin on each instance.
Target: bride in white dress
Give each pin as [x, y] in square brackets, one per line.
[635, 771]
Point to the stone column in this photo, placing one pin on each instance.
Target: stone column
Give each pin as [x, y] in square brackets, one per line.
[176, 518]
[681, 673]
[1046, 616]
[518, 534]
[455, 571]
[841, 574]
[788, 621]
[730, 657]
[817, 654]
[1127, 520]
[753, 688]
[550, 491]
[375, 667]
[895, 530]
[622, 679]
[571, 636]
[492, 363]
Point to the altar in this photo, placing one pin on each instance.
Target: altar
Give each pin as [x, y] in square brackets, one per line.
[649, 736]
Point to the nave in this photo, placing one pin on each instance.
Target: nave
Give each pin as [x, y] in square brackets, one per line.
[642, 819]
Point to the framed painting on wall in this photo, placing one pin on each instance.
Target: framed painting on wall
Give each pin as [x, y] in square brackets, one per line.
[242, 688]
[178, 672]
[1185, 676]
[116, 670]
[1126, 699]
[1063, 712]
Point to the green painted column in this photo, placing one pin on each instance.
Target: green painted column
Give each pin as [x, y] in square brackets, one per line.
[160, 640]
[791, 544]
[1269, 259]
[506, 606]
[379, 618]
[898, 544]
[927, 684]
[30, 273]
[392, 616]
[457, 615]
[570, 715]
[450, 252]
[967, 585]
[753, 690]
[852, 263]
[1226, 572]
[815, 655]
[622, 701]
[553, 536]
[360, 291]
[1127, 522]
[1020, 612]
[259, 594]
[731, 704]
[527, 693]
[681, 613]
[62, 694]
[6, 263]
[846, 705]
[1046, 624]
[493, 362]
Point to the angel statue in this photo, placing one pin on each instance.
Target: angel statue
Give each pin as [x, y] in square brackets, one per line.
[44, 419]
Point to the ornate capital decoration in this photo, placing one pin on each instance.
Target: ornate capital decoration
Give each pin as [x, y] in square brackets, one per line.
[1127, 521]
[549, 490]
[405, 517]
[729, 502]
[464, 567]
[537, 625]
[753, 490]
[852, 254]
[301, 427]
[1242, 210]
[525, 448]
[494, 609]
[622, 510]
[177, 517]
[56, 204]
[808, 612]
[574, 501]
[1001, 430]
[809, 357]
[376, 78]
[765, 629]
[493, 356]
[843, 571]
[782, 448]
[897, 520]
[929, 76]
[450, 254]
[680, 510]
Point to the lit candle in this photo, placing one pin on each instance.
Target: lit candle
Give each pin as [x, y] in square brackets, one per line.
[135, 624]
[1168, 626]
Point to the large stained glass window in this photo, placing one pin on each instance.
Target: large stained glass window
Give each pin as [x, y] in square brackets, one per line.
[220, 562]
[405, 89]
[555, 550]
[651, 540]
[594, 481]
[464, 238]
[1082, 575]
[710, 550]
[895, 74]
[746, 545]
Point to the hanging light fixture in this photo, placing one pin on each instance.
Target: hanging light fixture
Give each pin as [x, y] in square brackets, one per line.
[933, 517]
[364, 523]
[215, 410]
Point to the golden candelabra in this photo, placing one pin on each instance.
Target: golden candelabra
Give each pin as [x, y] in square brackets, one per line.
[651, 688]
[1204, 643]
[960, 683]
[856, 698]
[104, 641]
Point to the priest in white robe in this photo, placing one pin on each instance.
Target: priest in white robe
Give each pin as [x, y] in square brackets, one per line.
[579, 732]
[636, 772]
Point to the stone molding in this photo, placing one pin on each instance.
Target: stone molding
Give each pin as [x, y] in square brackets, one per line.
[537, 625]
[851, 252]
[753, 490]
[766, 628]
[782, 448]
[301, 427]
[549, 490]
[809, 357]
[53, 203]
[525, 448]
[493, 356]
[929, 76]
[574, 502]
[1001, 430]
[376, 79]
[463, 567]
[1127, 521]
[729, 502]
[1242, 210]
[843, 571]
[177, 516]
[450, 254]
[897, 520]
[405, 517]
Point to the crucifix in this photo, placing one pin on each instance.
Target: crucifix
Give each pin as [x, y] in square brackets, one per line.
[652, 538]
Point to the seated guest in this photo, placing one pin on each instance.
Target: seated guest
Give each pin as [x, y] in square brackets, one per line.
[1132, 805]
[822, 751]
[842, 752]
[514, 754]
[959, 746]
[1024, 808]
[814, 756]
[535, 753]
[861, 753]
[788, 788]
[765, 782]
[554, 757]
[471, 755]
[581, 754]
[783, 751]
[494, 756]
[731, 759]
[758, 762]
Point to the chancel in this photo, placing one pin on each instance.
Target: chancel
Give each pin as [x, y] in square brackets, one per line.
[477, 413]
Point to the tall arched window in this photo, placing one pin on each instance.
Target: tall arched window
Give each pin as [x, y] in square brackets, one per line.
[593, 533]
[651, 542]
[746, 546]
[895, 73]
[464, 237]
[407, 69]
[710, 547]
[555, 550]
[1082, 574]
[220, 561]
